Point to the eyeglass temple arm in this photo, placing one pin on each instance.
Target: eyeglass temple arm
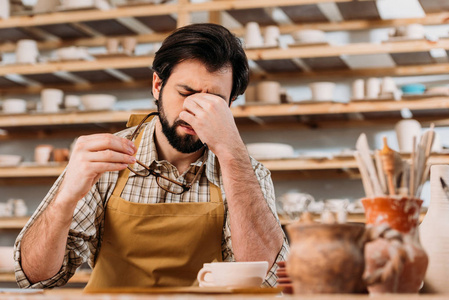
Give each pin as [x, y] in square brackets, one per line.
[143, 121]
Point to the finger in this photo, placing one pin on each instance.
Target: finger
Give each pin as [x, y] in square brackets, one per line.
[192, 106]
[188, 117]
[109, 156]
[102, 167]
[99, 142]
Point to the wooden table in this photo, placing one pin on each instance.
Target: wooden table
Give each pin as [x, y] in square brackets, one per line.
[76, 294]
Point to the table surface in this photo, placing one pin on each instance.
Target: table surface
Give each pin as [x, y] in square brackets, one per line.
[69, 294]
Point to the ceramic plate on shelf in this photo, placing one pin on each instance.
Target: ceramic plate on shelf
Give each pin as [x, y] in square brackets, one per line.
[270, 151]
[10, 160]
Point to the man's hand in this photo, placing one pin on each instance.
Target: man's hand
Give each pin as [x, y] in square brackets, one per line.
[92, 156]
[210, 117]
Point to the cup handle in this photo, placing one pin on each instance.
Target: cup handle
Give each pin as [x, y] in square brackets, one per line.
[202, 278]
[397, 254]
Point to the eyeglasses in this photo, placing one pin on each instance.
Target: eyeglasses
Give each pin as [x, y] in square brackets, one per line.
[165, 183]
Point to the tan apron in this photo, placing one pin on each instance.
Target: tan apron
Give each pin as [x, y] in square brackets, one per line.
[156, 245]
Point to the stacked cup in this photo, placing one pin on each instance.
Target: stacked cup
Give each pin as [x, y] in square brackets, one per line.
[51, 100]
[26, 52]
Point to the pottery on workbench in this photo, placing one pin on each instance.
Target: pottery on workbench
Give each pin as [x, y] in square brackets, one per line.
[434, 232]
[326, 258]
[399, 266]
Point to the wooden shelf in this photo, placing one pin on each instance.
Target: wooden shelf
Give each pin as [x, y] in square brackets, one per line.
[7, 223]
[239, 112]
[346, 164]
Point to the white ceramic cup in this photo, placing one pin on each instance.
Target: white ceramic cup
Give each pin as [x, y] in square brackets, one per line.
[112, 45]
[250, 93]
[42, 154]
[129, 44]
[414, 31]
[271, 35]
[358, 89]
[5, 9]
[14, 106]
[322, 91]
[72, 101]
[27, 52]
[372, 88]
[388, 85]
[405, 131]
[233, 274]
[268, 92]
[253, 37]
[51, 99]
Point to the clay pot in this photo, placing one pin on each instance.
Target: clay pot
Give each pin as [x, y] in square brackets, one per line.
[398, 266]
[326, 258]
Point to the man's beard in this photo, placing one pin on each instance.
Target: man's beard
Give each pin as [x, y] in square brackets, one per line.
[184, 144]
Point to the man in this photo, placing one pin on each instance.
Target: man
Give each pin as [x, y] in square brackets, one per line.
[153, 203]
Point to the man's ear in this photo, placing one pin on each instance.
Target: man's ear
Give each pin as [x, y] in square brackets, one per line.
[157, 86]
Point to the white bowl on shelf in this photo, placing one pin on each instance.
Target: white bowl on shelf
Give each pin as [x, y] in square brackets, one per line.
[322, 91]
[9, 160]
[98, 101]
[14, 106]
[72, 53]
[270, 150]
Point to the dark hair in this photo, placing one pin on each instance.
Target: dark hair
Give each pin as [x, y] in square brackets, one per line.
[214, 45]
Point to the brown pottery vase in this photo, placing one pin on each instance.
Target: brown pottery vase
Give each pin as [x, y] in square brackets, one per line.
[395, 265]
[326, 258]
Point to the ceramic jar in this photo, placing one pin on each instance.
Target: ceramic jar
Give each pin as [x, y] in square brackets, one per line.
[326, 258]
[434, 231]
[401, 265]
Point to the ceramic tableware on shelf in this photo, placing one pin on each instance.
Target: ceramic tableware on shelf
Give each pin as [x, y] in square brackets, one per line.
[61, 154]
[112, 45]
[18, 207]
[413, 89]
[268, 92]
[372, 88]
[339, 207]
[270, 150]
[72, 53]
[14, 106]
[434, 231]
[51, 100]
[358, 89]
[388, 87]
[26, 52]
[437, 90]
[294, 204]
[73, 4]
[129, 44]
[405, 131]
[72, 102]
[322, 91]
[271, 36]
[411, 31]
[309, 36]
[43, 153]
[9, 160]
[98, 101]
[253, 36]
[6, 259]
[5, 9]
[250, 94]
[233, 274]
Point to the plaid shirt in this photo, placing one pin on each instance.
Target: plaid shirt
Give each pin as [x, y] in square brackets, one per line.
[86, 230]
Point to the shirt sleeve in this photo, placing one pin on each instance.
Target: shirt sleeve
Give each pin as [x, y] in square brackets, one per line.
[266, 184]
[82, 239]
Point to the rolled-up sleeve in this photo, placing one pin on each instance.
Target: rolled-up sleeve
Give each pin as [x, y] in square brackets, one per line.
[82, 238]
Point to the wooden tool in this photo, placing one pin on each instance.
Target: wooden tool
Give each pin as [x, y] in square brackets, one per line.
[365, 154]
[387, 156]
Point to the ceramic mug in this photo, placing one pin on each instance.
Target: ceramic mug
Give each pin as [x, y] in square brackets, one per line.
[27, 52]
[268, 92]
[358, 89]
[253, 37]
[372, 88]
[250, 94]
[42, 154]
[322, 91]
[129, 44]
[414, 31]
[51, 99]
[112, 45]
[271, 35]
[233, 274]
[405, 131]
[388, 86]
[4, 9]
